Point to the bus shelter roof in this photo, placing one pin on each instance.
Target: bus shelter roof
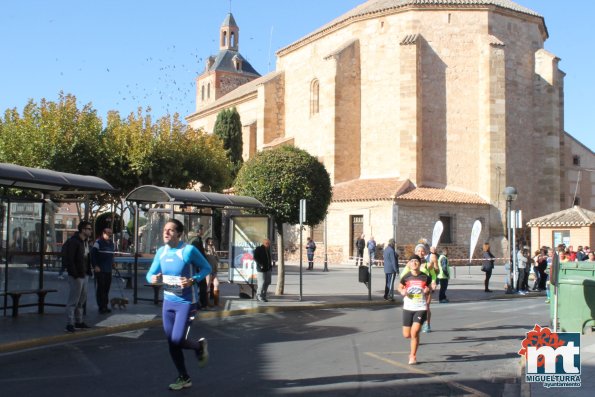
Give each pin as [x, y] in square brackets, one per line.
[12, 175]
[157, 194]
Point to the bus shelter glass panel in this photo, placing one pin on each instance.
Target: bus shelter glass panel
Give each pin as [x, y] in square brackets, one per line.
[21, 229]
[151, 238]
[247, 232]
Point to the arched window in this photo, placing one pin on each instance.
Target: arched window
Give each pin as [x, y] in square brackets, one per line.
[203, 93]
[208, 90]
[314, 97]
[224, 39]
[232, 39]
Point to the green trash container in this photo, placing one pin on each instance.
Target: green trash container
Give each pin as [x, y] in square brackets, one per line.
[576, 297]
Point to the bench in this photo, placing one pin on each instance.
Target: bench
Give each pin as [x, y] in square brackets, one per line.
[16, 296]
[156, 289]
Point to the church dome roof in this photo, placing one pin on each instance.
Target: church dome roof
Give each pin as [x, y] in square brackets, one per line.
[225, 62]
[229, 21]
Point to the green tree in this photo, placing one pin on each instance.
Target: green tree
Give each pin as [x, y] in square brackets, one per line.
[280, 178]
[164, 153]
[127, 153]
[54, 135]
[228, 128]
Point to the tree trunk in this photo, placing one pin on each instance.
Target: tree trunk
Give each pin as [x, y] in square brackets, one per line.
[280, 262]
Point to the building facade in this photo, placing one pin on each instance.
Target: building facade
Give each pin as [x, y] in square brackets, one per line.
[420, 111]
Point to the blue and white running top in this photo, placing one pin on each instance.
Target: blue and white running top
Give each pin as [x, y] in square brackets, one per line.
[175, 263]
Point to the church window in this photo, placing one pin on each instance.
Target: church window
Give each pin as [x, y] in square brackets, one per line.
[314, 97]
[448, 230]
[576, 160]
[317, 232]
[203, 92]
[208, 90]
[577, 201]
[224, 39]
[232, 40]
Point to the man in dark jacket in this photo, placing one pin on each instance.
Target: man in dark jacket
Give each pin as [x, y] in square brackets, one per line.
[102, 259]
[360, 244]
[391, 270]
[262, 257]
[76, 256]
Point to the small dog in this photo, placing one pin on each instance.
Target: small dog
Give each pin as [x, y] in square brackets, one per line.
[120, 302]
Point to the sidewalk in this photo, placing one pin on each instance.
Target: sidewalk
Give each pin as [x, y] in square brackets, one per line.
[337, 288]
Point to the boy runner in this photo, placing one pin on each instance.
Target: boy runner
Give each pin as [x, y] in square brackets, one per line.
[415, 288]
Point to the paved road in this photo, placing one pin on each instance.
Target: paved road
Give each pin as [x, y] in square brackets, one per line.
[330, 352]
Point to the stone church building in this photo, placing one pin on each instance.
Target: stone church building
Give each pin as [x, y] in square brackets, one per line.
[420, 111]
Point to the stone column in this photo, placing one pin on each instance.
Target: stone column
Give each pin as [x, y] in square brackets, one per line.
[492, 131]
[548, 110]
[410, 99]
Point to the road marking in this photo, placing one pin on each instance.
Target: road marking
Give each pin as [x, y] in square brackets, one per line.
[416, 369]
[134, 334]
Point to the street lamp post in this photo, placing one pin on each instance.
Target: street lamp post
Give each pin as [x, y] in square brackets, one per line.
[510, 193]
[325, 245]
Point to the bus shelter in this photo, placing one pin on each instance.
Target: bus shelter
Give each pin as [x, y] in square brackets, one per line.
[39, 209]
[153, 206]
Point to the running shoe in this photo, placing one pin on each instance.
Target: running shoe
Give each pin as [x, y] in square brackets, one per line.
[425, 328]
[412, 360]
[70, 328]
[202, 353]
[181, 383]
[81, 325]
[547, 300]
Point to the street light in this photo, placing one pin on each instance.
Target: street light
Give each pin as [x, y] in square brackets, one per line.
[510, 195]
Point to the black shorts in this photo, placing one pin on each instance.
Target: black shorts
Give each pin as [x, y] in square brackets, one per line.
[410, 317]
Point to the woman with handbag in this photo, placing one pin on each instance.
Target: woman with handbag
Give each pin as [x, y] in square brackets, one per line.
[487, 265]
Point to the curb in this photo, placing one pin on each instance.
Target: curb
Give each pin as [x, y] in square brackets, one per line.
[102, 331]
[12, 347]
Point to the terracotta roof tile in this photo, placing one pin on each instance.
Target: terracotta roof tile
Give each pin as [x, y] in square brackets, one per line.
[575, 216]
[441, 196]
[369, 189]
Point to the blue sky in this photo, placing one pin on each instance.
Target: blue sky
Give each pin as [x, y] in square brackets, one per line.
[122, 54]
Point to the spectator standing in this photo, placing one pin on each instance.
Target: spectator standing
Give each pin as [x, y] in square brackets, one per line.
[180, 267]
[78, 265]
[212, 279]
[535, 269]
[571, 254]
[203, 288]
[522, 263]
[443, 274]
[487, 265]
[360, 244]
[310, 248]
[391, 269]
[542, 262]
[549, 263]
[262, 257]
[372, 249]
[102, 260]
[580, 254]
